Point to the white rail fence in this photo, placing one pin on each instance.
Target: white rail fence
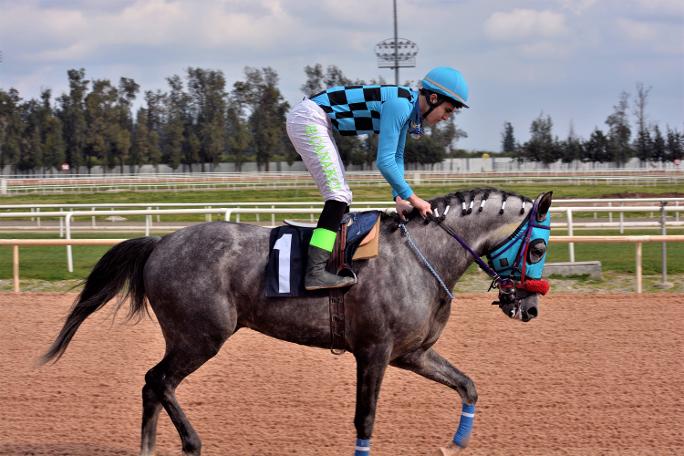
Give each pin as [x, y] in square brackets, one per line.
[637, 240]
[619, 202]
[237, 181]
[66, 218]
[96, 210]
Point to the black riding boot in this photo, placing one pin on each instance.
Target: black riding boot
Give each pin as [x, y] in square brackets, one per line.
[317, 277]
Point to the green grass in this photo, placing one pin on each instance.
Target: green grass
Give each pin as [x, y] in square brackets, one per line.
[361, 193]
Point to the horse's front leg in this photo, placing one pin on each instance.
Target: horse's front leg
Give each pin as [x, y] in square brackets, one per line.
[371, 363]
[429, 364]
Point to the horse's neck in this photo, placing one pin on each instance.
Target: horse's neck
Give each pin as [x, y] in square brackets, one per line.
[479, 230]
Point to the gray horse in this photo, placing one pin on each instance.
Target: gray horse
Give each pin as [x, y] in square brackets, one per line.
[206, 281]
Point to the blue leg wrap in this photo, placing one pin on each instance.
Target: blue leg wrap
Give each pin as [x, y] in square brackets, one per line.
[362, 447]
[465, 426]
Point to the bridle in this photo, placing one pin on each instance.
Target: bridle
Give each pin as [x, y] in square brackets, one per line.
[503, 278]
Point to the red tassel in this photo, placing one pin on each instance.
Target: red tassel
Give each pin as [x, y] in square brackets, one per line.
[535, 286]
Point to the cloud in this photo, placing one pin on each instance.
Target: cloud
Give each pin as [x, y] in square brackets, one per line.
[653, 37]
[524, 24]
[669, 7]
[59, 33]
[578, 6]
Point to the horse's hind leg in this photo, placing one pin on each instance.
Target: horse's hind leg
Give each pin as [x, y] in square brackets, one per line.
[151, 408]
[160, 391]
[429, 364]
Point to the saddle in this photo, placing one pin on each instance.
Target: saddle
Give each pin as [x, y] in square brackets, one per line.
[357, 239]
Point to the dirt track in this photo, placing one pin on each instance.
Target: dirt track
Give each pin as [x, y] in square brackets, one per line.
[595, 374]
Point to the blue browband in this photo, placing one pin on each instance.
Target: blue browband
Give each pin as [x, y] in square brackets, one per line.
[510, 258]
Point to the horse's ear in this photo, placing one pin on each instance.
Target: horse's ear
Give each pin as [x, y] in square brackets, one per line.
[544, 205]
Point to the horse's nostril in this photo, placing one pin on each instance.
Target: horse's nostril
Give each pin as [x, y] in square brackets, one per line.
[532, 312]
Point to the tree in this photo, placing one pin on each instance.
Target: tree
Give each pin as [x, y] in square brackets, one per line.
[571, 149]
[643, 142]
[141, 145]
[207, 94]
[238, 135]
[73, 118]
[31, 148]
[154, 123]
[314, 79]
[675, 145]
[102, 128]
[507, 139]
[425, 150]
[619, 132]
[52, 140]
[659, 151]
[177, 118]
[259, 94]
[596, 148]
[120, 130]
[446, 134]
[541, 146]
[11, 128]
[644, 145]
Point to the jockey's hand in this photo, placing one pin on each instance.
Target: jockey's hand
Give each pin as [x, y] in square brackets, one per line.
[418, 203]
[404, 208]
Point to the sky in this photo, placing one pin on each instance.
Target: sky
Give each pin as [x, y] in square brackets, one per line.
[569, 59]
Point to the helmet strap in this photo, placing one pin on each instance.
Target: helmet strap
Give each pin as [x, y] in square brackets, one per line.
[432, 106]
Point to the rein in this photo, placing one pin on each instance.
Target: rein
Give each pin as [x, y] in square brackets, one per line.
[496, 278]
[419, 254]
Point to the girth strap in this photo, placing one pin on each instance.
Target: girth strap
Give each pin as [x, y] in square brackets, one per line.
[337, 338]
[338, 341]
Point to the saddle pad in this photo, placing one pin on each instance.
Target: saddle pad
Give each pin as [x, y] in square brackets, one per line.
[370, 245]
[288, 246]
[287, 261]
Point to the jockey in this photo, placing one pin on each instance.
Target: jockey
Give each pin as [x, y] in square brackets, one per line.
[392, 112]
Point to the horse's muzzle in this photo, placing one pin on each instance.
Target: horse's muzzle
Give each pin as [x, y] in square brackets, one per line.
[519, 311]
[519, 305]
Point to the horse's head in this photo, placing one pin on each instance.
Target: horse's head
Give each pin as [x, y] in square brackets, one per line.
[519, 262]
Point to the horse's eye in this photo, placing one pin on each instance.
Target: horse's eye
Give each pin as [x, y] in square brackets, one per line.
[536, 251]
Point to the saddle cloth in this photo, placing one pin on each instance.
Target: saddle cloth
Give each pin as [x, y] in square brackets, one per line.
[357, 239]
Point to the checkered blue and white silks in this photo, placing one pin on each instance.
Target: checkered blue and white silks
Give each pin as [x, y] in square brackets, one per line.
[355, 110]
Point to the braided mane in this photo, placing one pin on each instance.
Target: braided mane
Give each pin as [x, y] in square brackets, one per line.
[463, 200]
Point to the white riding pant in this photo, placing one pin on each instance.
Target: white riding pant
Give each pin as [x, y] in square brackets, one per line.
[310, 131]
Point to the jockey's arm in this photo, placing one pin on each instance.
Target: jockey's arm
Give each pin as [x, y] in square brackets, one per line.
[390, 154]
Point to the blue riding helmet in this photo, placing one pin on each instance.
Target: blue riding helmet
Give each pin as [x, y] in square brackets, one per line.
[507, 258]
[448, 82]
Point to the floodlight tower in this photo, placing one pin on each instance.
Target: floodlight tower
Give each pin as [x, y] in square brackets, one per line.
[396, 52]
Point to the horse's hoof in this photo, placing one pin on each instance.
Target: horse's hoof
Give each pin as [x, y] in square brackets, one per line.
[451, 450]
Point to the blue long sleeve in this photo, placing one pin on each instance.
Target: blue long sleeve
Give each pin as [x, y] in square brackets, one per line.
[391, 142]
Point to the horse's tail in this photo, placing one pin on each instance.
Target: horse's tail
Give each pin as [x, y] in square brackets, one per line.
[122, 265]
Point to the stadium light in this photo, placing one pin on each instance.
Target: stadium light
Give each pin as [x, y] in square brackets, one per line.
[396, 52]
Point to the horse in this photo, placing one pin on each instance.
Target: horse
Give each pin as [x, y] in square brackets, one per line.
[206, 281]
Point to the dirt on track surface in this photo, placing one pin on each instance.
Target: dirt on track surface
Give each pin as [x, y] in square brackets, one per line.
[594, 374]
